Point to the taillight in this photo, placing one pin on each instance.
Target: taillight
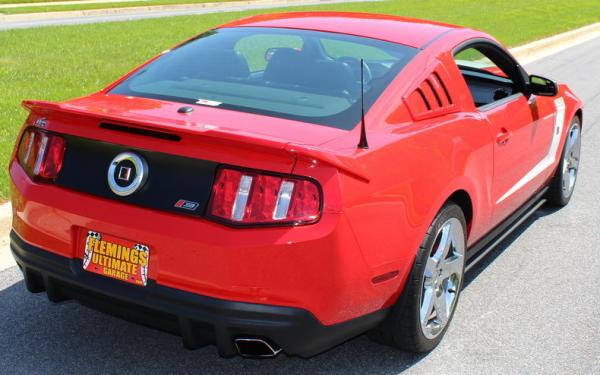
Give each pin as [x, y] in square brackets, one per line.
[41, 153]
[249, 197]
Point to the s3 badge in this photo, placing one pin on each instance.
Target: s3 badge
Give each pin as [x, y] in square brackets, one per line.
[187, 205]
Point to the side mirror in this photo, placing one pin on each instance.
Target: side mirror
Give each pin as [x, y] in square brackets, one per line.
[542, 86]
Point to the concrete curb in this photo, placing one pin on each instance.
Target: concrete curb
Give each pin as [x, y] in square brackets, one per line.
[5, 210]
[67, 2]
[6, 259]
[538, 49]
[227, 6]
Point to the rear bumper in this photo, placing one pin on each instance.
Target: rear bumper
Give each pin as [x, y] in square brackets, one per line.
[200, 320]
[318, 268]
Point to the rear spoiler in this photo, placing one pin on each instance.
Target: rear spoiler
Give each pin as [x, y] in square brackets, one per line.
[309, 153]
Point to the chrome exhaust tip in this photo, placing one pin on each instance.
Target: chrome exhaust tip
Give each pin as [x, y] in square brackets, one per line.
[256, 348]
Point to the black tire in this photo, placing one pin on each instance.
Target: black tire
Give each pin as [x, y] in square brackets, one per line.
[402, 327]
[557, 195]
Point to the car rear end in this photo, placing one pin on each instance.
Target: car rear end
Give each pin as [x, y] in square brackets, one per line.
[284, 266]
[197, 198]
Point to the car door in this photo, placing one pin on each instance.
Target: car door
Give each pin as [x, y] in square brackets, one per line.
[520, 130]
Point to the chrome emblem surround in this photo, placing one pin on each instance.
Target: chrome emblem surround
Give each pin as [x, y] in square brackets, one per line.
[141, 173]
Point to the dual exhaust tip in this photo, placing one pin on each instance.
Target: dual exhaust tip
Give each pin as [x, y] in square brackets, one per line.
[256, 348]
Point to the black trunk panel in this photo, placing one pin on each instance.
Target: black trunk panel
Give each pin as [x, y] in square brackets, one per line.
[170, 177]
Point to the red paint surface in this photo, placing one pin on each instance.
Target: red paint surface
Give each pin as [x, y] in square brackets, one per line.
[377, 203]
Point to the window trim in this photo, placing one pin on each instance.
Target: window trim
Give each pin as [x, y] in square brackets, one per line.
[517, 75]
[488, 107]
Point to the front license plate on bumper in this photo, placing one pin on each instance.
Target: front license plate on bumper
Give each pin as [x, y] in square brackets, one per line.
[117, 258]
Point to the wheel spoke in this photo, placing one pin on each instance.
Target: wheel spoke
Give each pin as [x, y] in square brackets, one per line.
[452, 266]
[569, 143]
[441, 278]
[574, 161]
[430, 269]
[571, 160]
[573, 136]
[444, 245]
[441, 311]
[427, 305]
[566, 177]
[572, 177]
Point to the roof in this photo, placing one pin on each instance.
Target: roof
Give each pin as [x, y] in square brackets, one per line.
[408, 31]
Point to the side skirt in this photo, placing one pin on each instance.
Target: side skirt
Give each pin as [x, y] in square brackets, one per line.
[484, 246]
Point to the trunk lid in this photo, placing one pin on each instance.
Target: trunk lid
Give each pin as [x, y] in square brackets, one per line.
[182, 151]
[208, 133]
[164, 115]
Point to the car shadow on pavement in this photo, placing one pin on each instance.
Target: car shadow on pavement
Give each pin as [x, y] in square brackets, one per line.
[38, 336]
[506, 243]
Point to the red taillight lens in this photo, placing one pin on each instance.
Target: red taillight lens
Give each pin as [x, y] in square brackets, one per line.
[248, 197]
[41, 153]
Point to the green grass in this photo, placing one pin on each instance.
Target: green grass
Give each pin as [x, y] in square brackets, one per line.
[115, 4]
[57, 63]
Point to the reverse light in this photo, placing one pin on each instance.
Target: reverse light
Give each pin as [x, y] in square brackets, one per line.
[250, 198]
[41, 153]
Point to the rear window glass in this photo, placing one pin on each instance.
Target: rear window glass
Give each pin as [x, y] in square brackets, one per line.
[254, 48]
[294, 74]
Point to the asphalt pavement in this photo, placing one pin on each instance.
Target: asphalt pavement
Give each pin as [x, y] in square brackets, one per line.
[530, 307]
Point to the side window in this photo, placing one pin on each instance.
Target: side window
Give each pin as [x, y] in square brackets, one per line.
[487, 82]
[254, 48]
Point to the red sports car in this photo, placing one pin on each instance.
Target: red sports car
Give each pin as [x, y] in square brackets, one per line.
[288, 181]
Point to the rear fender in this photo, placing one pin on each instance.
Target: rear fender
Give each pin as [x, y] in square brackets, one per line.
[411, 178]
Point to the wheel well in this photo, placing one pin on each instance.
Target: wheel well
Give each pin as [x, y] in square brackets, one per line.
[579, 115]
[463, 200]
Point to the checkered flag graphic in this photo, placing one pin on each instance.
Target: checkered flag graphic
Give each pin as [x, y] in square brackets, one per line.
[143, 269]
[87, 256]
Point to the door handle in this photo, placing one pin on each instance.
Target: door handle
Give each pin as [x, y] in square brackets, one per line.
[503, 137]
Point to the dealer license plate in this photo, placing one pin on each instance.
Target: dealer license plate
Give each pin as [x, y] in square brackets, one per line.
[116, 258]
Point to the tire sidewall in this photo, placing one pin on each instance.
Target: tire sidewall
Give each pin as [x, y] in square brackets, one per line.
[559, 197]
[448, 211]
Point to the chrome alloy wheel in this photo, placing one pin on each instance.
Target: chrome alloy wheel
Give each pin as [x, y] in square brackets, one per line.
[442, 278]
[571, 160]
